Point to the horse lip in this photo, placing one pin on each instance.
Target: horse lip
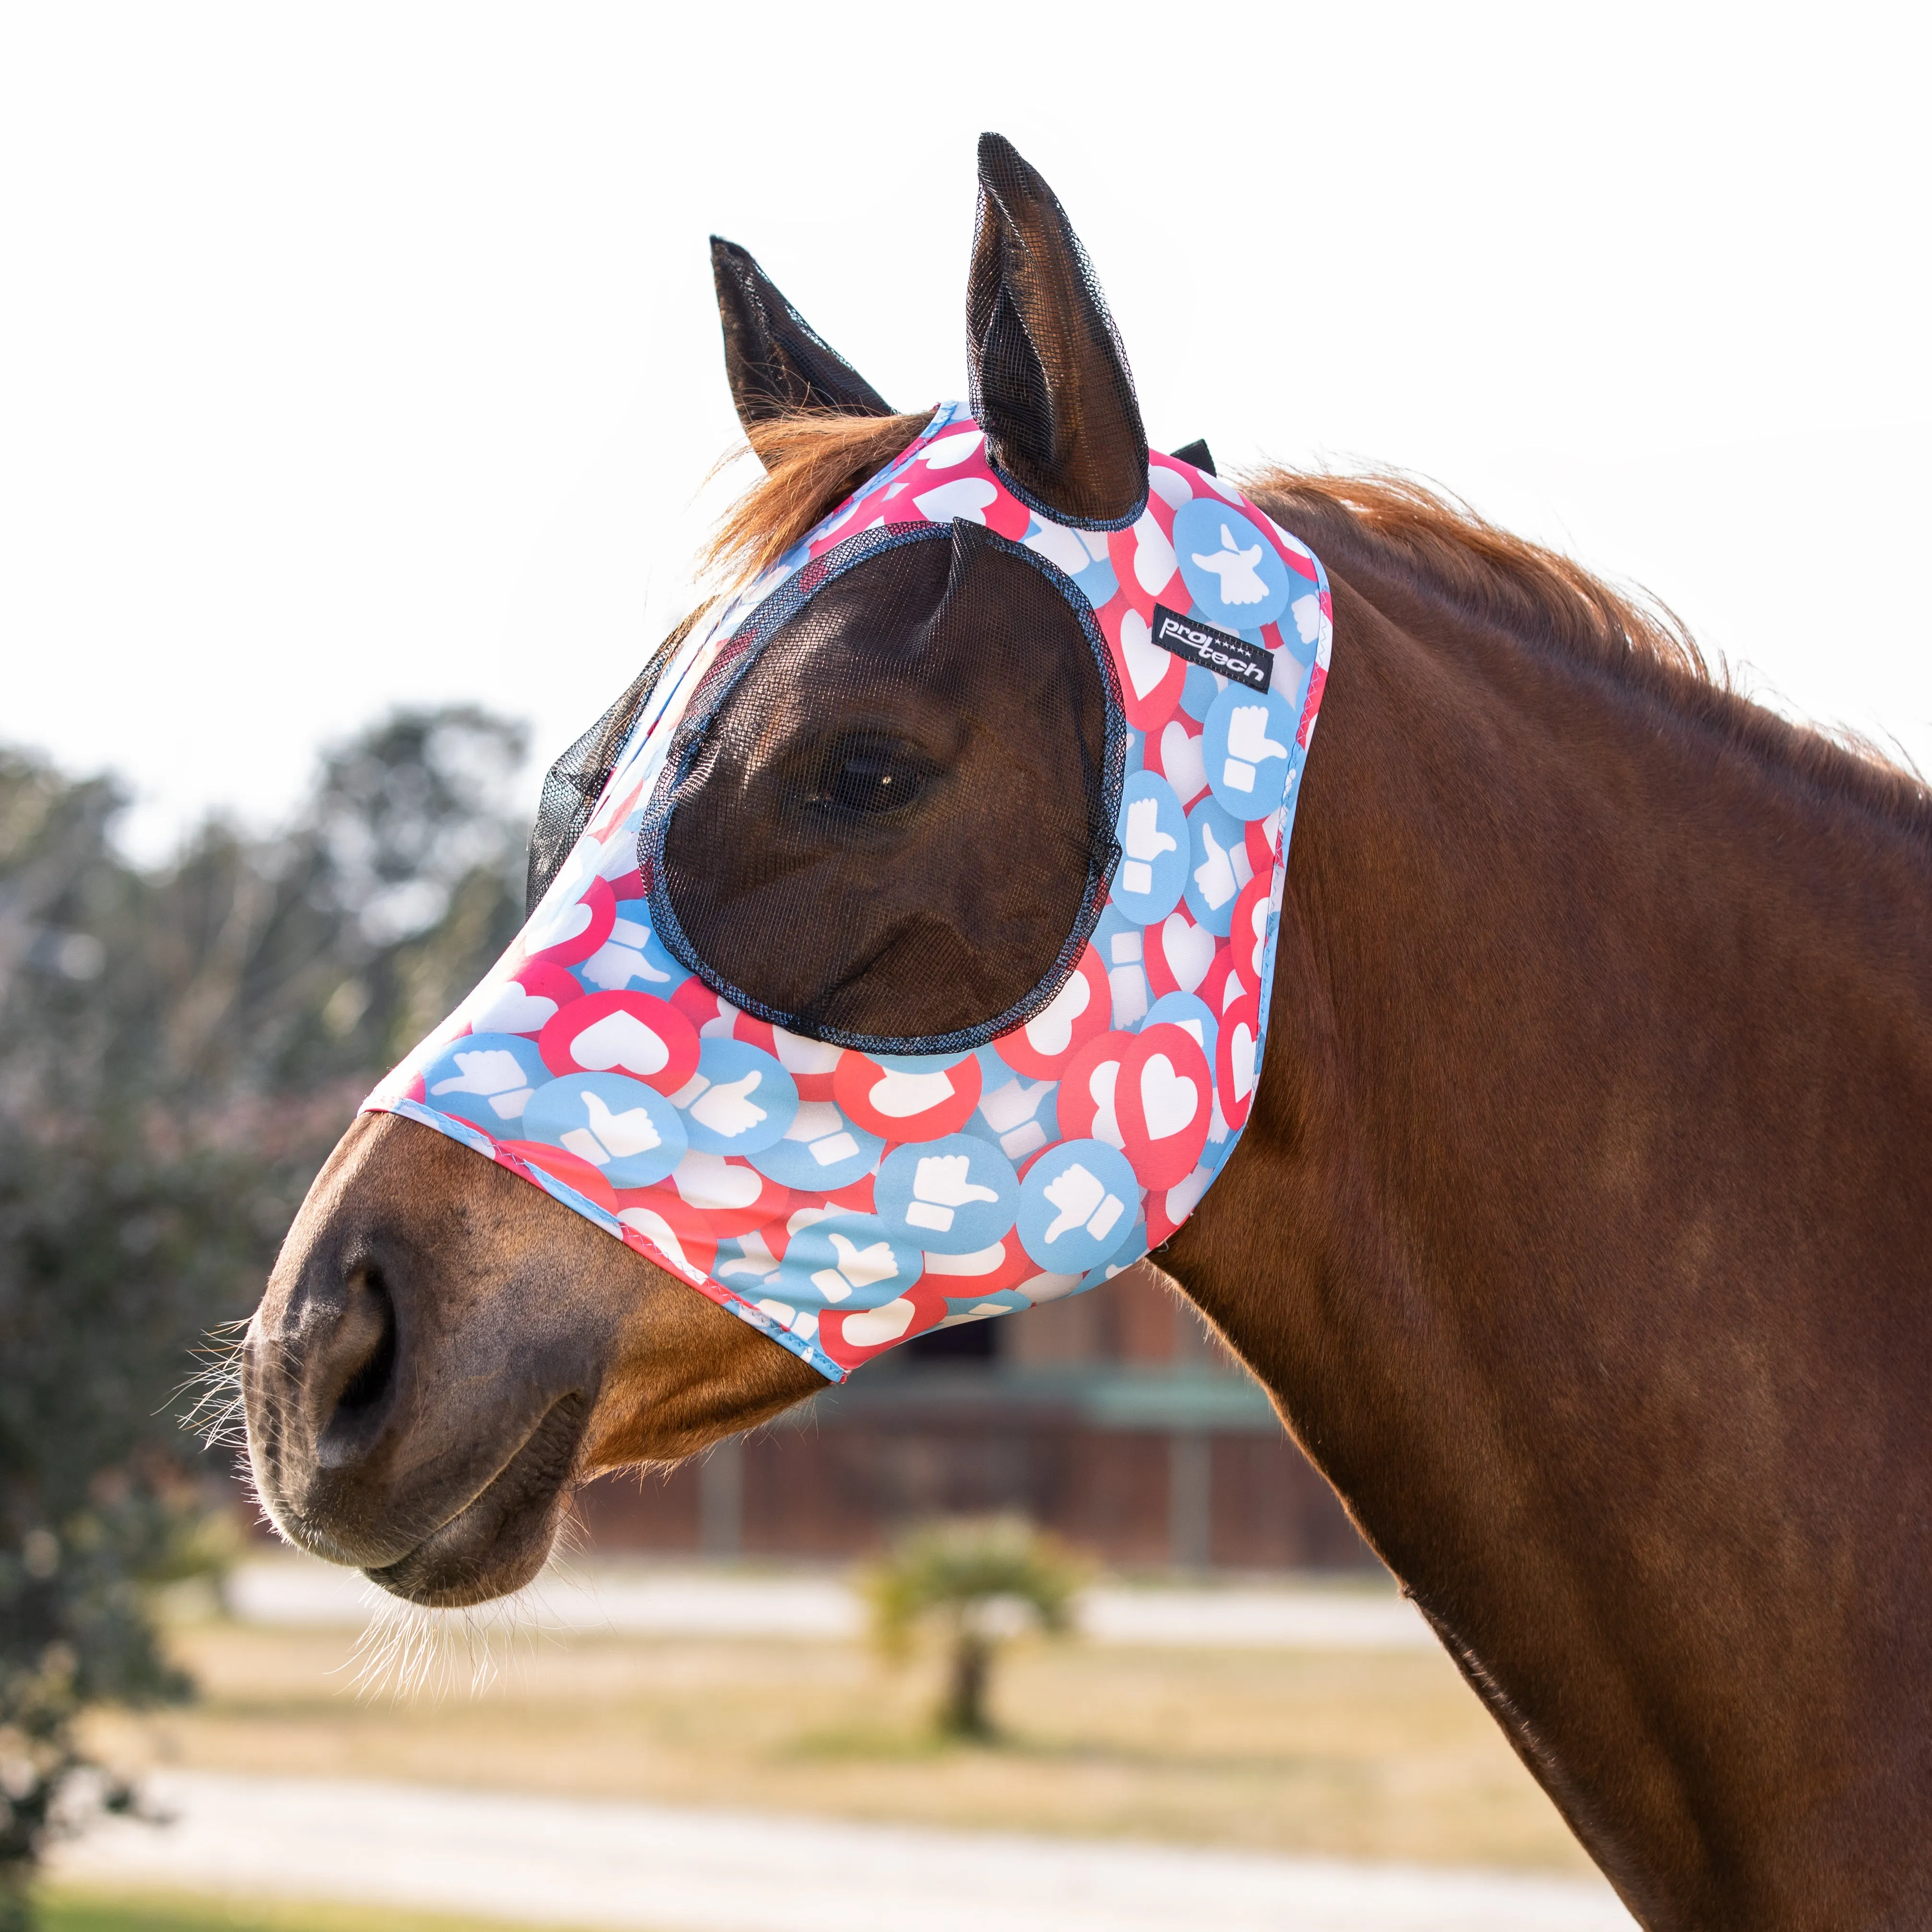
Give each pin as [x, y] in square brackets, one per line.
[497, 1541]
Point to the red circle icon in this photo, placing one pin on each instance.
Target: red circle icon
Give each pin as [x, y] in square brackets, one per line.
[906, 1104]
[575, 932]
[564, 1167]
[1078, 1012]
[722, 1195]
[1178, 954]
[682, 1244]
[851, 1335]
[1237, 1059]
[631, 1034]
[1147, 1094]
[1247, 935]
[526, 1003]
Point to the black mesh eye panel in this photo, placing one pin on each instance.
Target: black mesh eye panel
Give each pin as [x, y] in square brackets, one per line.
[573, 785]
[889, 822]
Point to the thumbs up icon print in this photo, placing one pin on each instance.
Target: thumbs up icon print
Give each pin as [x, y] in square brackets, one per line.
[1248, 744]
[1145, 842]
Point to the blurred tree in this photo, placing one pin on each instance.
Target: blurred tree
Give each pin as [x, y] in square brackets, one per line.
[980, 1578]
[179, 1050]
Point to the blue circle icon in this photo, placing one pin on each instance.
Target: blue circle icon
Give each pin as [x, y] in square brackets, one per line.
[1192, 1014]
[1017, 1115]
[953, 1196]
[1198, 690]
[1124, 1256]
[486, 1079]
[1079, 1202]
[821, 1152]
[1153, 832]
[845, 1260]
[1235, 574]
[1248, 743]
[1218, 866]
[628, 1132]
[740, 1101]
[633, 959]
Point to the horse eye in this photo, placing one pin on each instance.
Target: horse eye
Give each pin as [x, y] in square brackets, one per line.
[873, 779]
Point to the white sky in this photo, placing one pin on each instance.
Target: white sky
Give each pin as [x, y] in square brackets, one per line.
[359, 355]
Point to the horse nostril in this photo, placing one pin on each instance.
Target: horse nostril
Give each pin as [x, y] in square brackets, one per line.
[360, 1362]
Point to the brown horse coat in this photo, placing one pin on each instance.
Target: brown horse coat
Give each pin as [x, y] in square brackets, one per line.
[1579, 1229]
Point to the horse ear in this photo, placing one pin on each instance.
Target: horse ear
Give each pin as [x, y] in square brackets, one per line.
[1051, 385]
[774, 358]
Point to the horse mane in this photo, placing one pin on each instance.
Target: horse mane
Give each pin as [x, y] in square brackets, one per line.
[1376, 524]
[1440, 548]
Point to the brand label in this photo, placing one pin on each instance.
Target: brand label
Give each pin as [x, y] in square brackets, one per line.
[1213, 649]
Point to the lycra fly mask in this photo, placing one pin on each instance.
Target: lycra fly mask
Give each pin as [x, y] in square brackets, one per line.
[905, 960]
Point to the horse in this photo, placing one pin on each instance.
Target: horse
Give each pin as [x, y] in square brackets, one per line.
[1580, 1234]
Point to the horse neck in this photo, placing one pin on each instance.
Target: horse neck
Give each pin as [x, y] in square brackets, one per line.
[1579, 1231]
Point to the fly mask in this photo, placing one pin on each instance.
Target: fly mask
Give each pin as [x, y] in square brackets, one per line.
[902, 957]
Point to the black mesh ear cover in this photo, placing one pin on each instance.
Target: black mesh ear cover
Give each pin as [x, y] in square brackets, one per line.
[891, 825]
[775, 360]
[1050, 382]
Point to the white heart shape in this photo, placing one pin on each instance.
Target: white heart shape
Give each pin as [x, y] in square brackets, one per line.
[569, 921]
[1184, 1196]
[1061, 546]
[1148, 663]
[1241, 1060]
[899, 1095]
[508, 1009]
[1100, 1084]
[1183, 761]
[1169, 485]
[1051, 1033]
[1170, 1100]
[967, 499]
[982, 1261]
[1189, 948]
[659, 1232]
[1153, 555]
[949, 450]
[805, 1056]
[709, 1180]
[620, 1040]
[868, 1329]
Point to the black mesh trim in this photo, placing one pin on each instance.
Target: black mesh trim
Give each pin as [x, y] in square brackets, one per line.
[736, 658]
[1040, 507]
[573, 785]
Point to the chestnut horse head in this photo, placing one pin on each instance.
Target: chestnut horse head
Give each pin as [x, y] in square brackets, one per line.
[1580, 1227]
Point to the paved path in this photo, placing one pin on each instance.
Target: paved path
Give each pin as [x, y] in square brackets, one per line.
[548, 1861]
[648, 1600]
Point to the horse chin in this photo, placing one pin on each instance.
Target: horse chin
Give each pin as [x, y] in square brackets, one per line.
[444, 1351]
[500, 1540]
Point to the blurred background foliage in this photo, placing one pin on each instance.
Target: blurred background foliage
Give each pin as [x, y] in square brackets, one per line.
[180, 1047]
[980, 1580]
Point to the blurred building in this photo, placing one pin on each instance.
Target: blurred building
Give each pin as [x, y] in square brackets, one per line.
[1114, 1419]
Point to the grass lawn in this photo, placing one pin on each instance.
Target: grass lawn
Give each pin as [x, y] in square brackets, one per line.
[1350, 1754]
[77, 1908]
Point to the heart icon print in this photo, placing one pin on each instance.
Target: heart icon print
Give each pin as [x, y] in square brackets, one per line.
[1182, 761]
[1187, 950]
[901, 1102]
[631, 1034]
[1169, 1100]
[1078, 1012]
[1148, 663]
[621, 1043]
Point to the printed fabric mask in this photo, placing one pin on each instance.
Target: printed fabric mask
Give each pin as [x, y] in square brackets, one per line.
[913, 964]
